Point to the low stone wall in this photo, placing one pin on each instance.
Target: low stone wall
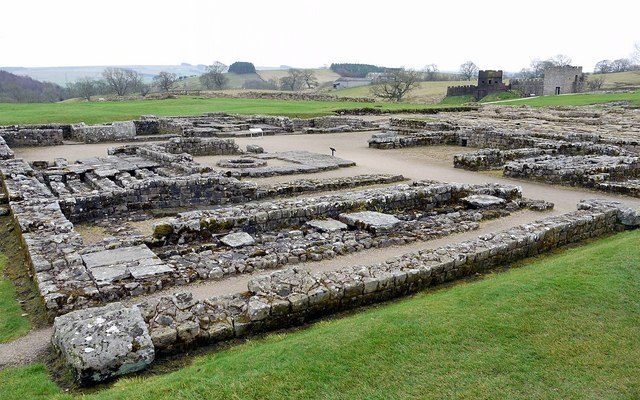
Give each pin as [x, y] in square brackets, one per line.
[33, 135]
[299, 186]
[51, 244]
[160, 192]
[113, 132]
[264, 216]
[493, 158]
[293, 296]
[577, 170]
[202, 146]
[5, 152]
[381, 111]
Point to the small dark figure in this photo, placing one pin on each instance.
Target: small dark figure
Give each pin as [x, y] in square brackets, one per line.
[333, 151]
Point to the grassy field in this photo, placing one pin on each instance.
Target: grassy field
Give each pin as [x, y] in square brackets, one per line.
[98, 112]
[581, 99]
[620, 79]
[12, 324]
[565, 326]
[426, 92]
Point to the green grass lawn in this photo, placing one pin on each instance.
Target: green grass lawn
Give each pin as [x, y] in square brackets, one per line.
[98, 112]
[566, 326]
[12, 323]
[581, 99]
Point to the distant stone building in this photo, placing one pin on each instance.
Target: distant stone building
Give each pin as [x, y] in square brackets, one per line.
[489, 81]
[556, 80]
[346, 82]
[561, 80]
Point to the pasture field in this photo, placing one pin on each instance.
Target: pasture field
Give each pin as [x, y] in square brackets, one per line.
[562, 326]
[579, 99]
[426, 92]
[108, 111]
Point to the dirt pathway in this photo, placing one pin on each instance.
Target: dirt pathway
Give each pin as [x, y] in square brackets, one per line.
[26, 349]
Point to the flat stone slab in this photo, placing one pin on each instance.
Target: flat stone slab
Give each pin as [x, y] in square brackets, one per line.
[101, 343]
[483, 200]
[139, 262]
[238, 239]
[370, 220]
[117, 256]
[327, 225]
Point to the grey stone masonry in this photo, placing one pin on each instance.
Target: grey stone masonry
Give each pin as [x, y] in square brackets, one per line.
[33, 135]
[113, 132]
[202, 146]
[100, 343]
[264, 216]
[293, 296]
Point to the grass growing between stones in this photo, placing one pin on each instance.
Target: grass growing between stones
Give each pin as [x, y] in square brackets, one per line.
[12, 323]
[562, 326]
[108, 111]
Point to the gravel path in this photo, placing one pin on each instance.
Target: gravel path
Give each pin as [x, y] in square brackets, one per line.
[26, 349]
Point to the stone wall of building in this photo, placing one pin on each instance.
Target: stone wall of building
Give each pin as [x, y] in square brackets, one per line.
[272, 215]
[293, 296]
[569, 79]
[202, 146]
[113, 132]
[33, 135]
[575, 170]
[528, 87]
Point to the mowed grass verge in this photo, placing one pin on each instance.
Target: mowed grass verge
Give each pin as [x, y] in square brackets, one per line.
[12, 323]
[581, 99]
[565, 326]
[108, 111]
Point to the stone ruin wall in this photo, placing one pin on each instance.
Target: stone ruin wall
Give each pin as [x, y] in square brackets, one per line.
[113, 132]
[196, 146]
[266, 216]
[294, 296]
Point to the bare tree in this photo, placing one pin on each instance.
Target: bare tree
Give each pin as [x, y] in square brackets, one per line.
[430, 72]
[595, 82]
[621, 65]
[560, 60]
[309, 78]
[603, 67]
[293, 81]
[121, 80]
[144, 89]
[396, 84]
[165, 80]
[635, 55]
[84, 88]
[468, 70]
[214, 78]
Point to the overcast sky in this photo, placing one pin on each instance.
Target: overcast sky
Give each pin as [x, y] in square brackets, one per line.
[494, 34]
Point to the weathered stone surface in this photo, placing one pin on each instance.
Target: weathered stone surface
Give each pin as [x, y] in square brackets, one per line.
[117, 256]
[483, 200]
[101, 343]
[254, 148]
[370, 220]
[238, 239]
[327, 225]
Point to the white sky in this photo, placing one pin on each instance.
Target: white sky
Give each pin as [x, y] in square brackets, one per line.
[495, 34]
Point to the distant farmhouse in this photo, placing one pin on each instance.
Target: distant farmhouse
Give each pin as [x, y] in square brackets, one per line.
[556, 80]
[347, 82]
